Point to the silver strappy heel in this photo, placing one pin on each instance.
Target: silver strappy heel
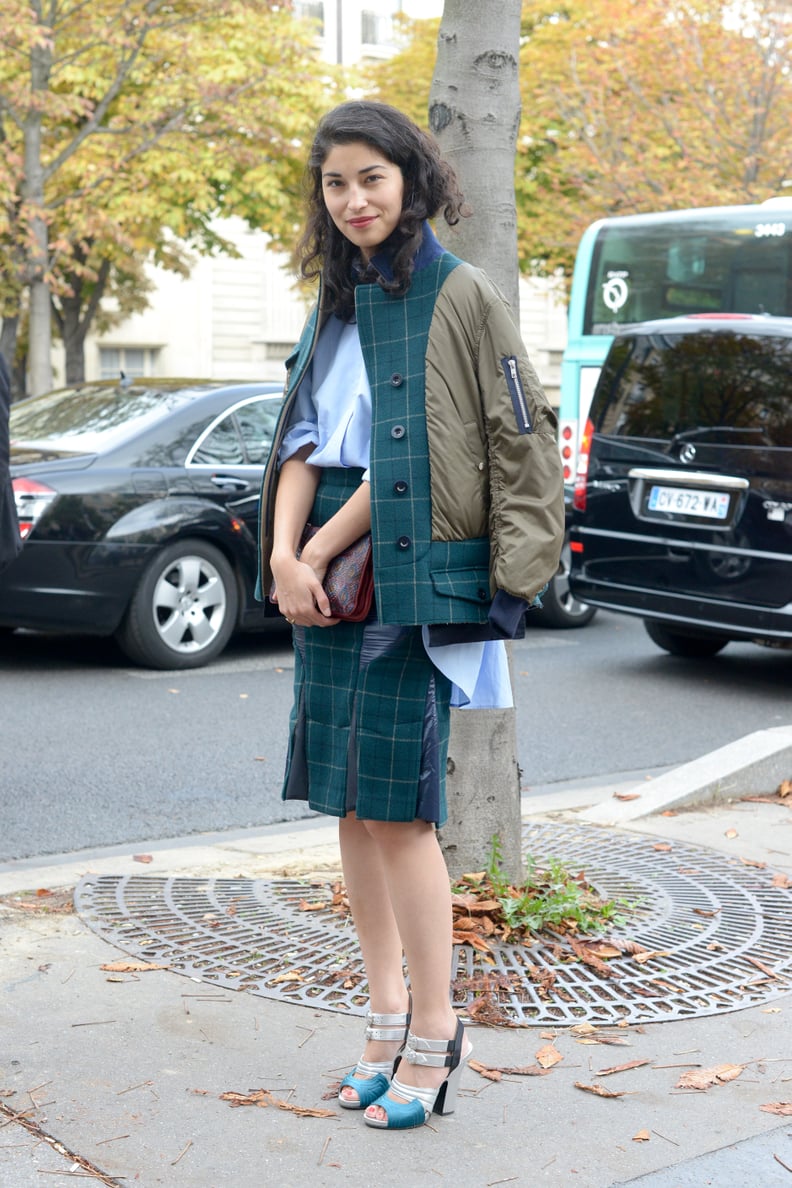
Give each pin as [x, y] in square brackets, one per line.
[371, 1078]
[420, 1104]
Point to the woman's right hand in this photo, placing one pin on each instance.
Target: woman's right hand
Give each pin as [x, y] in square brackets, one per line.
[299, 593]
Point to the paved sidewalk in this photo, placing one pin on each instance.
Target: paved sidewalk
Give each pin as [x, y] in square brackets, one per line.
[125, 1072]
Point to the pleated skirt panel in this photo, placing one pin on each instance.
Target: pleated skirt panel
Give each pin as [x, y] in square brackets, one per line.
[370, 721]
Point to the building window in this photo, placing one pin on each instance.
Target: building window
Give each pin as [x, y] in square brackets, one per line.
[375, 29]
[311, 12]
[133, 361]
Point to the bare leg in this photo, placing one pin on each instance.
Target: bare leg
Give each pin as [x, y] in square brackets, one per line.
[415, 876]
[377, 932]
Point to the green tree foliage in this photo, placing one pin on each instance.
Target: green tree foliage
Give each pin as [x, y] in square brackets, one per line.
[633, 105]
[638, 105]
[126, 129]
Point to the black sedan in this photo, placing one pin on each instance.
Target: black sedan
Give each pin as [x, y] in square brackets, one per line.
[138, 503]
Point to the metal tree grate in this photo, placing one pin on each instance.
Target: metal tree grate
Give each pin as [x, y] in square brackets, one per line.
[723, 930]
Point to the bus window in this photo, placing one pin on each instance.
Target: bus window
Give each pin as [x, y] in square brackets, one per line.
[639, 268]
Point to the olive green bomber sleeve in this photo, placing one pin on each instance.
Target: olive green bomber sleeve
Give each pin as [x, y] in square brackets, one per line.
[526, 483]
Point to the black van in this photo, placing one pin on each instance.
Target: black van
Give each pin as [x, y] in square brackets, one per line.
[683, 500]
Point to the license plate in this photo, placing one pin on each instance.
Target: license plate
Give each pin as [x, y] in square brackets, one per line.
[687, 501]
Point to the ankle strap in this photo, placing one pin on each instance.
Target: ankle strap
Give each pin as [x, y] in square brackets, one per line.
[386, 1027]
[434, 1053]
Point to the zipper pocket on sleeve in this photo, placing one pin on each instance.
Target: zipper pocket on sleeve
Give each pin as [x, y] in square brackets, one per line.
[517, 393]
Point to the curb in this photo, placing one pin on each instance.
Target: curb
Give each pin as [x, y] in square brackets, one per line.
[753, 765]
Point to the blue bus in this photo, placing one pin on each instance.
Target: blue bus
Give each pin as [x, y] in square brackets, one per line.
[637, 268]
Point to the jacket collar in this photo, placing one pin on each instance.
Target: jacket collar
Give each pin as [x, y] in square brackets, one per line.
[429, 251]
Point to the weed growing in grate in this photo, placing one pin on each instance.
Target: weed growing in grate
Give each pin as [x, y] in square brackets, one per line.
[550, 899]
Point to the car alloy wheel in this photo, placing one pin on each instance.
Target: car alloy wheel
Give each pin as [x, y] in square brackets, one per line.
[184, 609]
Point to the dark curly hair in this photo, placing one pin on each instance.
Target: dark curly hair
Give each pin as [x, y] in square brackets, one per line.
[430, 186]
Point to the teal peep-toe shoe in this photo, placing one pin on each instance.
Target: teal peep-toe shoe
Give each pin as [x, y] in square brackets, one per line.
[420, 1104]
[371, 1078]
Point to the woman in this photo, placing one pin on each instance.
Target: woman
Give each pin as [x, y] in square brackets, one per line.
[410, 411]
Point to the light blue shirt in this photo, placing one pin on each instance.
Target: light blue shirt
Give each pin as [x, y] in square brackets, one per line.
[332, 411]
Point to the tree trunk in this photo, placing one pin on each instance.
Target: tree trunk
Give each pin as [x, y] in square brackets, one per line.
[474, 112]
[75, 316]
[40, 333]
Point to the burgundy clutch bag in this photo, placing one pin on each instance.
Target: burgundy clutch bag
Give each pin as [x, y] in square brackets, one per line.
[349, 580]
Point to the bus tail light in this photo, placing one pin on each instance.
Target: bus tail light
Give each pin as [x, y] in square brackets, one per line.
[581, 478]
[567, 431]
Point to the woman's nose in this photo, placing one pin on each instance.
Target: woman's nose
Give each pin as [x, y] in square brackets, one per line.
[357, 198]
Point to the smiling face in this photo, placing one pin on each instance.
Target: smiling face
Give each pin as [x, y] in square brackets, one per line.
[363, 192]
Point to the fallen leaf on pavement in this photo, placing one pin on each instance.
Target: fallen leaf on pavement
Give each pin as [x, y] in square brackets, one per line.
[785, 788]
[650, 955]
[470, 938]
[731, 833]
[663, 846]
[627, 946]
[782, 1108]
[142, 858]
[131, 966]
[586, 954]
[764, 968]
[781, 880]
[583, 1029]
[489, 1074]
[705, 1078]
[598, 1090]
[497, 1074]
[42, 902]
[548, 1056]
[753, 862]
[626, 795]
[587, 1033]
[486, 1012]
[292, 976]
[617, 1041]
[527, 1070]
[606, 1072]
[642, 1136]
[264, 1098]
[604, 949]
[708, 914]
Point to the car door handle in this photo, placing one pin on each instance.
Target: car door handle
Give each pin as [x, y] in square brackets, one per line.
[230, 480]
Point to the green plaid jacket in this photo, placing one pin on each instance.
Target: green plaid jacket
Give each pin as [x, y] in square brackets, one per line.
[466, 487]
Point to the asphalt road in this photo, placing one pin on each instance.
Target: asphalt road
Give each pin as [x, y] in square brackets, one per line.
[97, 753]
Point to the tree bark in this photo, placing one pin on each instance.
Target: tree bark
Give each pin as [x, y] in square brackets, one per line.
[75, 317]
[474, 112]
[40, 331]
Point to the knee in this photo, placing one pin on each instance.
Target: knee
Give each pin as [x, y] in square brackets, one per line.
[394, 834]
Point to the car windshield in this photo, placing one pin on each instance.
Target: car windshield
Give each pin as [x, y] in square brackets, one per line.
[723, 387]
[90, 419]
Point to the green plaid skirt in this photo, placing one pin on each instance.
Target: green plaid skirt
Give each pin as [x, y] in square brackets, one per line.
[370, 721]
